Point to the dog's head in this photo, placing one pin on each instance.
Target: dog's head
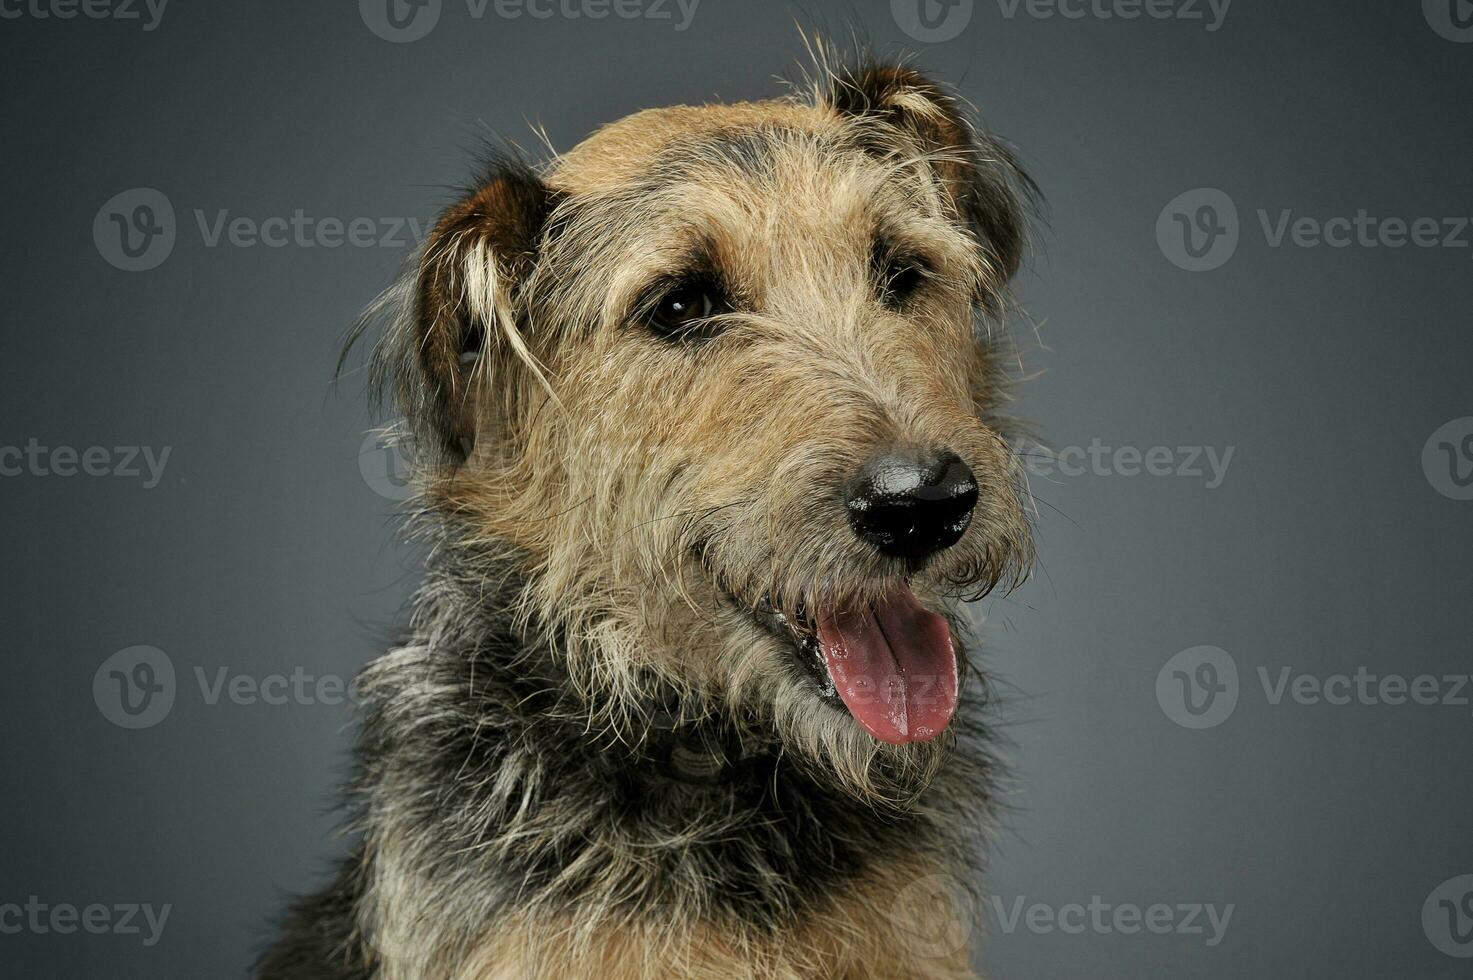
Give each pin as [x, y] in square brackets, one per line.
[723, 381]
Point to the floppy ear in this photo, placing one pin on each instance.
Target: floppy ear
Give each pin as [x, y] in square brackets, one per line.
[459, 310]
[986, 186]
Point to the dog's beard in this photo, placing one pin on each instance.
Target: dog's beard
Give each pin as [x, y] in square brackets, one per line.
[834, 749]
[776, 682]
[863, 692]
[869, 634]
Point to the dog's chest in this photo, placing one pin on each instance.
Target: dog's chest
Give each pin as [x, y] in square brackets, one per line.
[861, 936]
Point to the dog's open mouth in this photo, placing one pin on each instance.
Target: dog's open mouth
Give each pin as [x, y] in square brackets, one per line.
[892, 664]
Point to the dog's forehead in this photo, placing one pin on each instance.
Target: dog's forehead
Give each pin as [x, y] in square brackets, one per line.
[635, 148]
[745, 180]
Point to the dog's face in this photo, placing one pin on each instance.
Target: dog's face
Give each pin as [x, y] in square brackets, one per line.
[721, 381]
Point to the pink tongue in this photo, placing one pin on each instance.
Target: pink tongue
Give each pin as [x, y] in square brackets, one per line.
[894, 666]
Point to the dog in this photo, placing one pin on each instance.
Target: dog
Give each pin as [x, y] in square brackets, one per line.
[709, 429]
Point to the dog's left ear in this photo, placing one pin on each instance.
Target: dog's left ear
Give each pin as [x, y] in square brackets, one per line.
[985, 183]
[457, 332]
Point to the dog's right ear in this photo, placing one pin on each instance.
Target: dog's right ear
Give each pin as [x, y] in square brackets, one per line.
[458, 312]
[988, 189]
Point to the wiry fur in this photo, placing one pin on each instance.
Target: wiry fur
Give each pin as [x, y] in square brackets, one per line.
[587, 759]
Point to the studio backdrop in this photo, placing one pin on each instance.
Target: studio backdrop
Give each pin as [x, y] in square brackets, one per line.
[1234, 698]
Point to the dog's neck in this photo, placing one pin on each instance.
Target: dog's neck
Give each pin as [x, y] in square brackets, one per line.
[485, 787]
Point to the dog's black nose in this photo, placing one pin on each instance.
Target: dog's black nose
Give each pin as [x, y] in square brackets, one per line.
[911, 505]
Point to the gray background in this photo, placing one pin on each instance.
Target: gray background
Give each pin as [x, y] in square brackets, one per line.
[265, 549]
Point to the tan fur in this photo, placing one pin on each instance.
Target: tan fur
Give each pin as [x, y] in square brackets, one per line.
[648, 495]
[620, 150]
[820, 380]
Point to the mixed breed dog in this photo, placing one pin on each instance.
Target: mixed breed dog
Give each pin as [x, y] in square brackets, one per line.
[709, 425]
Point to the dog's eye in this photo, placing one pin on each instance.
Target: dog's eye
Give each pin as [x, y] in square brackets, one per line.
[472, 344]
[682, 311]
[901, 278]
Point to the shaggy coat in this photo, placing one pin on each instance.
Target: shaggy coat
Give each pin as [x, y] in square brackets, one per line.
[604, 749]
